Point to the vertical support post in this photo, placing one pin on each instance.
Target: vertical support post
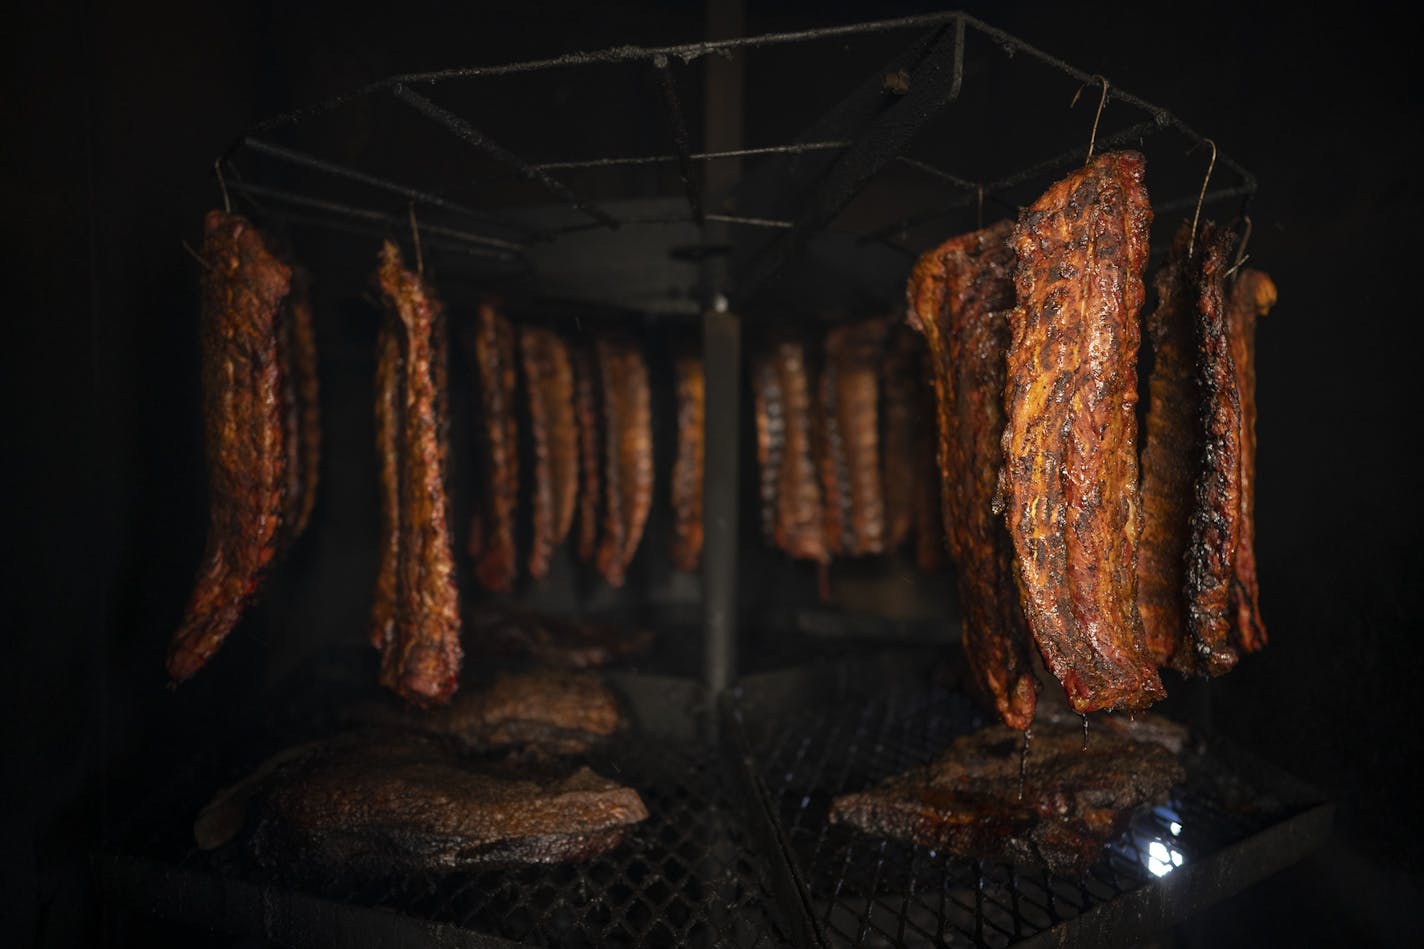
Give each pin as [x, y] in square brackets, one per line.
[721, 359]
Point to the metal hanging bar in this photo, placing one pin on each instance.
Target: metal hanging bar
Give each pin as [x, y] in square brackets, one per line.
[301, 159]
[935, 80]
[694, 156]
[678, 127]
[496, 247]
[472, 136]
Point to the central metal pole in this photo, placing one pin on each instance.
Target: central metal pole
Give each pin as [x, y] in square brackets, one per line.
[721, 357]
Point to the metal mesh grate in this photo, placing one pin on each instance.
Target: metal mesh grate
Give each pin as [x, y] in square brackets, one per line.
[868, 891]
[684, 877]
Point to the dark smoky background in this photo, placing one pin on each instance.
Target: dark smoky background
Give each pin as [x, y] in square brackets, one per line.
[113, 115]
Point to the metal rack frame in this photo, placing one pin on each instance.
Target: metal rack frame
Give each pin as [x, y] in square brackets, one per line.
[851, 143]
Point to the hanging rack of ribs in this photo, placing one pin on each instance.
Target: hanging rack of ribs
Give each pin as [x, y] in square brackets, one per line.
[628, 454]
[1216, 514]
[791, 493]
[688, 465]
[390, 371]
[421, 659]
[302, 395]
[1171, 447]
[959, 297]
[1252, 296]
[850, 465]
[492, 543]
[549, 393]
[1069, 484]
[770, 412]
[243, 289]
[1193, 462]
[590, 487]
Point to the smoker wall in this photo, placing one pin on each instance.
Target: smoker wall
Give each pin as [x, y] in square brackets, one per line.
[112, 120]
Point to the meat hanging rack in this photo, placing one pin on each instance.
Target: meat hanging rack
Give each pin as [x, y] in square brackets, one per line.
[905, 127]
[892, 119]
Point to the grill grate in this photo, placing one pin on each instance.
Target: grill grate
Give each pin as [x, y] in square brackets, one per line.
[686, 876]
[865, 891]
[693, 874]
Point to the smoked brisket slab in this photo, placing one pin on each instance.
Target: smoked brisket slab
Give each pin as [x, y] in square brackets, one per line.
[243, 289]
[1054, 804]
[502, 630]
[1069, 485]
[381, 802]
[538, 714]
[958, 298]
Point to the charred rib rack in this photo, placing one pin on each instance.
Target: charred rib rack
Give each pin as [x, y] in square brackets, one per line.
[492, 542]
[243, 290]
[421, 659]
[1069, 483]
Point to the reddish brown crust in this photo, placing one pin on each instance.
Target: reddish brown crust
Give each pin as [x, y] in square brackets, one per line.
[1070, 446]
[628, 454]
[959, 295]
[422, 661]
[390, 381]
[900, 399]
[492, 541]
[541, 547]
[799, 525]
[688, 465]
[549, 393]
[243, 286]
[1216, 516]
[1170, 457]
[590, 476]
[1252, 296]
[307, 389]
[563, 435]
[852, 394]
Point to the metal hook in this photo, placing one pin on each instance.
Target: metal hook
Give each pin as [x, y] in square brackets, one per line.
[1245, 239]
[415, 236]
[196, 256]
[1092, 140]
[222, 186]
[1192, 240]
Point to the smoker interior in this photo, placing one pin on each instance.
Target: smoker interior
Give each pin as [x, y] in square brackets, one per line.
[731, 856]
